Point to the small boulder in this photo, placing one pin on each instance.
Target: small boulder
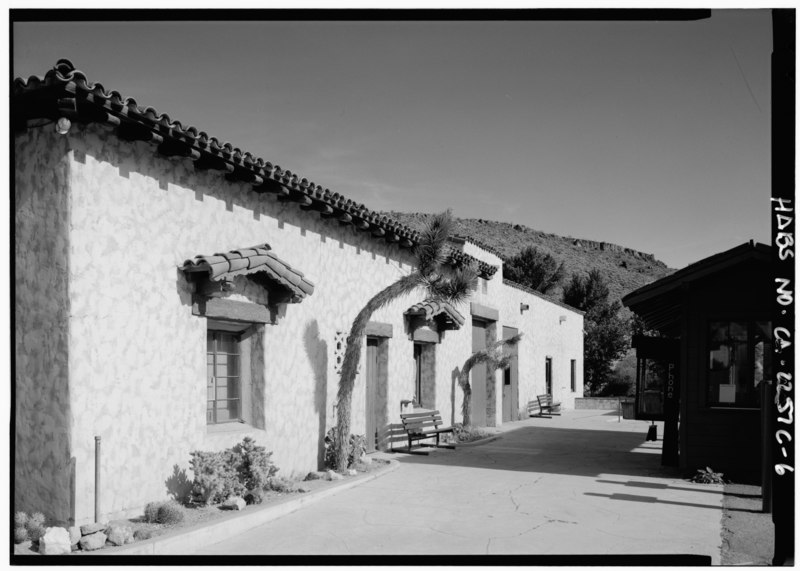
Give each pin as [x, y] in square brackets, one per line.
[74, 534]
[334, 475]
[315, 476]
[120, 534]
[55, 541]
[234, 503]
[352, 472]
[93, 541]
[91, 528]
[302, 489]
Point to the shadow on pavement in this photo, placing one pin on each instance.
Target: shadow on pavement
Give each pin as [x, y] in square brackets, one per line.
[550, 450]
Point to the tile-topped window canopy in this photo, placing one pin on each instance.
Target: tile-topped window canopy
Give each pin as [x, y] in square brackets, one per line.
[432, 317]
[379, 329]
[484, 312]
[213, 277]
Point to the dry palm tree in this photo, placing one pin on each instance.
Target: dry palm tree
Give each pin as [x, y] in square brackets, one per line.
[494, 360]
[431, 273]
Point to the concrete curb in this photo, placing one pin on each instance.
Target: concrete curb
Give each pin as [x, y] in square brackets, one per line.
[479, 442]
[185, 541]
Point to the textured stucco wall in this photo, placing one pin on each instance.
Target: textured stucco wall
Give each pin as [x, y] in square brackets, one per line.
[544, 334]
[137, 355]
[41, 258]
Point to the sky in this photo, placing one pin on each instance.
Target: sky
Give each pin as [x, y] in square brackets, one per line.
[654, 135]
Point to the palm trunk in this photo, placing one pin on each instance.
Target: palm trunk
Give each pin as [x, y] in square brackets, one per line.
[352, 356]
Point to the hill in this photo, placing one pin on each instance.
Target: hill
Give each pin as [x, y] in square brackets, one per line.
[626, 269]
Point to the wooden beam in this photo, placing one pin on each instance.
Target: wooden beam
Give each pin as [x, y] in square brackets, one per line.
[231, 310]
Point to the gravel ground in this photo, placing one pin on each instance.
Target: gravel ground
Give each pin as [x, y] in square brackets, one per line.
[748, 535]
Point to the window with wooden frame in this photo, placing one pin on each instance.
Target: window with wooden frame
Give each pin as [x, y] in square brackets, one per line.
[224, 374]
[739, 359]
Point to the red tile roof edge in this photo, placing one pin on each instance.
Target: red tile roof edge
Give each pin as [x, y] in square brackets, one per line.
[65, 91]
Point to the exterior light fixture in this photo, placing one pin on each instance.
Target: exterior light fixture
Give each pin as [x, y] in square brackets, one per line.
[523, 307]
[62, 125]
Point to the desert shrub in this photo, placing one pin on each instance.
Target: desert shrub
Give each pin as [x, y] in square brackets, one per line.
[356, 448]
[215, 476]
[35, 526]
[254, 497]
[151, 512]
[20, 519]
[278, 484]
[170, 513]
[20, 534]
[142, 534]
[708, 476]
[255, 468]
[244, 470]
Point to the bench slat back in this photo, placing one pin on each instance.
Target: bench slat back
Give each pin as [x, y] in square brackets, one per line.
[418, 421]
[545, 399]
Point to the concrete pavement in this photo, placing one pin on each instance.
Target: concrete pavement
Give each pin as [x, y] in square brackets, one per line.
[577, 484]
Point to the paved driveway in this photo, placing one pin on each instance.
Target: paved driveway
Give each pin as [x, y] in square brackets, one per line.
[582, 483]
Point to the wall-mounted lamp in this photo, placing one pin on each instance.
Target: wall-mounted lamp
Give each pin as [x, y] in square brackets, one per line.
[562, 318]
[62, 125]
[523, 307]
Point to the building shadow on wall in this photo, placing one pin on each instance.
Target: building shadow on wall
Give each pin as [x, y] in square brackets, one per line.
[317, 351]
[178, 484]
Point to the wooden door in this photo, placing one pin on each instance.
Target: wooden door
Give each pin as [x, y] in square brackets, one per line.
[510, 379]
[478, 375]
[371, 406]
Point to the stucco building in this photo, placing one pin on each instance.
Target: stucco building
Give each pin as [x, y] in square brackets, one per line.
[174, 293]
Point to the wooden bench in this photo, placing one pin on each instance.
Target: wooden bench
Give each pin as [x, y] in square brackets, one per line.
[422, 425]
[546, 404]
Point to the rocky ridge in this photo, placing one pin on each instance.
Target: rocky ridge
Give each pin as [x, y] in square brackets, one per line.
[625, 268]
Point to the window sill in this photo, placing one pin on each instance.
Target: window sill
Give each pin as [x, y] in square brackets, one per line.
[228, 427]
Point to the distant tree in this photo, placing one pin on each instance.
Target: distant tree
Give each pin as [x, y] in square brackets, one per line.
[535, 269]
[606, 330]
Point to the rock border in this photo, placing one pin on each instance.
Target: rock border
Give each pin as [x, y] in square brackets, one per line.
[186, 540]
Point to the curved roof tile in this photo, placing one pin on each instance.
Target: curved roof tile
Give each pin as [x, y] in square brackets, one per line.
[249, 261]
[64, 81]
[431, 308]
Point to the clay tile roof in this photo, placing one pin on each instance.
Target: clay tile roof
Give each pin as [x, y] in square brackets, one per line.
[249, 261]
[431, 308]
[65, 91]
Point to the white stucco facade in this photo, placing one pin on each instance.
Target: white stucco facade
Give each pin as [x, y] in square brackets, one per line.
[102, 228]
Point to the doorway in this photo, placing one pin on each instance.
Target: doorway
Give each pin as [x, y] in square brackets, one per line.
[375, 408]
[425, 374]
[548, 375]
[510, 378]
[478, 374]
